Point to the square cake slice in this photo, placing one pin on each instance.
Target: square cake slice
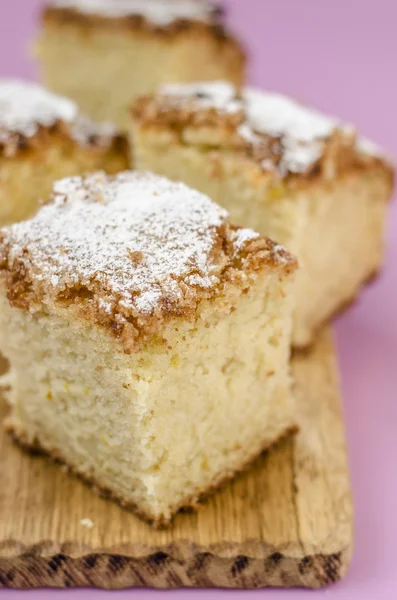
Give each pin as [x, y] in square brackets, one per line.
[43, 138]
[104, 53]
[148, 339]
[301, 178]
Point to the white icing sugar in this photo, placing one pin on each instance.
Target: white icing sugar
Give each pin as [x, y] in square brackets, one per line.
[241, 237]
[83, 130]
[25, 106]
[301, 130]
[160, 12]
[133, 236]
[280, 254]
[220, 95]
[368, 147]
[298, 156]
[278, 115]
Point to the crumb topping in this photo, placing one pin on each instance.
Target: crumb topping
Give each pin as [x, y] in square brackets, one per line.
[282, 135]
[300, 131]
[240, 237]
[131, 249]
[26, 109]
[159, 12]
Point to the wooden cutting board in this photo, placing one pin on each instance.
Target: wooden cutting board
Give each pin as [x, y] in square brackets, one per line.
[285, 522]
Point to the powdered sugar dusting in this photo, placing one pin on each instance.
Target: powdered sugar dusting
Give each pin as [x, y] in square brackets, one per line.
[220, 95]
[241, 237]
[368, 147]
[159, 12]
[83, 130]
[25, 106]
[278, 115]
[280, 254]
[300, 131]
[134, 237]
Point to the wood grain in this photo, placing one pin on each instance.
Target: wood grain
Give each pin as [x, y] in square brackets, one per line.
[285, 522]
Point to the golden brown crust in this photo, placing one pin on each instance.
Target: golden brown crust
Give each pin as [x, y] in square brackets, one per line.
[226, 44]
[92, 138]
[192, 503]
[32, 117]
[53, 16]
[189, 120]
[237, 276]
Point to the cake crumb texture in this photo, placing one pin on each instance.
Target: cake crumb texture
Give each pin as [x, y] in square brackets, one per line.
[220, 385]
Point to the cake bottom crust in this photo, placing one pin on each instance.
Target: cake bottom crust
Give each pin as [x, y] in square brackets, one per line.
[192, 503]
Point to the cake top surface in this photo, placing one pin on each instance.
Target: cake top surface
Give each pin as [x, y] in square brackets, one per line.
[26, 108]
[136, 245]
[283, 135]
[159, 12]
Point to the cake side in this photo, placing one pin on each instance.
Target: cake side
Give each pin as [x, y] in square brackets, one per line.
[346, 222]
[194, 385]
[155, 250]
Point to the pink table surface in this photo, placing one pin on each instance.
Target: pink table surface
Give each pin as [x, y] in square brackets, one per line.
[341, 56]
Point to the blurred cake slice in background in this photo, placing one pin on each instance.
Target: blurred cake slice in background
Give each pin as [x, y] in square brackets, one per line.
[44, 137]
[285, 170]
[104, 53]
[149, 339]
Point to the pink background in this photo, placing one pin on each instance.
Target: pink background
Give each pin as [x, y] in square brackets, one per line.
[341, 56]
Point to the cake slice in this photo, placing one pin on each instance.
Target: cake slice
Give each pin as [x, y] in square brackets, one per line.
[104, 53]
[283, 169]
[44, 137]
[148, 338]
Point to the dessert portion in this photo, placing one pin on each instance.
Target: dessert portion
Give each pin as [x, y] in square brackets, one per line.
[148, 338]
[301, 178]
[104, 54]
[44, 137]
